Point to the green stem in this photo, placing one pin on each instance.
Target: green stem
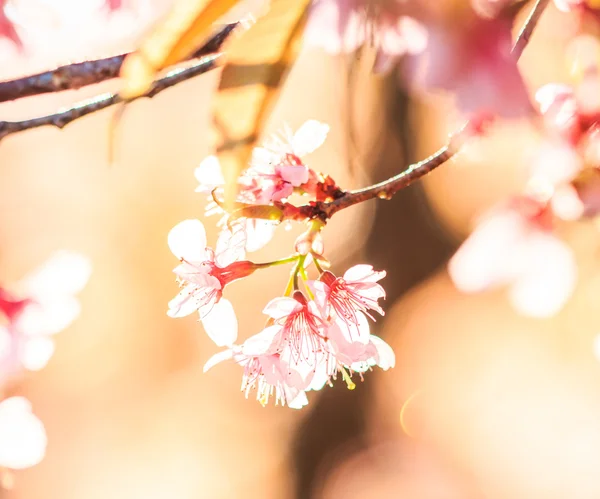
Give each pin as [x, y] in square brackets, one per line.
[283, 261]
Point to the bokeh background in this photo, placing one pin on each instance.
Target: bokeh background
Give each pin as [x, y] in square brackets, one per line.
[494, 405]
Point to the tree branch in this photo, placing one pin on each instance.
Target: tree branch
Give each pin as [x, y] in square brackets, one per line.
[389, 187]
[81, 74]
[63, 117]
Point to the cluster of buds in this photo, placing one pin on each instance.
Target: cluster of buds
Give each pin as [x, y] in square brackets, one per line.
[318, 329]
[33, 311]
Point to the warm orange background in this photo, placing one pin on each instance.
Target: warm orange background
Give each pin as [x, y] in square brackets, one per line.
[504, 406]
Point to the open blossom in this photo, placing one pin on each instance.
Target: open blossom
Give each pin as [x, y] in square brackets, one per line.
[344, 25]
[41, 305]
[22, 435]
[356, 291]
[265, 374]
[301, 351]
[278, 167]
[203, 275]
[514, 246]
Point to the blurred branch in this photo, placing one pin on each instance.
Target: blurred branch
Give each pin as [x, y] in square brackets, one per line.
[66, 116]
[387, 188]
[528, 27]
[81, 74]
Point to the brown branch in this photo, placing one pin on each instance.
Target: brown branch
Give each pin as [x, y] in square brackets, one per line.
[528, 27]
[81, 74]
[386, 189]
[63, 117]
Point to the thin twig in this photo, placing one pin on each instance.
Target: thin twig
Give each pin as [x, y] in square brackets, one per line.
[386, 189]
[63, 117]
[81, 74]
[528, 27]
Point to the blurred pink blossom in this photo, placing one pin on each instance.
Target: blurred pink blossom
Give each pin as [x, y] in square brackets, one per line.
[473, 61]
[344, 25]
[514, 246]
[41, 305]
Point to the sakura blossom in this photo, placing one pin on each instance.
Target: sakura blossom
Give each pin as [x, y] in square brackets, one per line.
[340, 26]
[203, 275]
[356, 291]
[22, 435]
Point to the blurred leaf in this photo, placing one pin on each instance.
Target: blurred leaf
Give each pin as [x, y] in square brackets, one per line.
[185, 28]
[256, 66]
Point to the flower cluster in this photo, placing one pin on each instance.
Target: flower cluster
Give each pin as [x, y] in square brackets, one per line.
[40, 306]
[318, 329]
[517, 243]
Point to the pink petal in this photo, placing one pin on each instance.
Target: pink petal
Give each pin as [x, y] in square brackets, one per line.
[22, 435]
[309, 137]
[221, 323]
[217, 359]
[294, 174]
[188, 240]
[281, 307]
[548, 280]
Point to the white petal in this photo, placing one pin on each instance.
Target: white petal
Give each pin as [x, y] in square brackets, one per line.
[262, 343]
[281, 307]
[217, 359]
[491, 256]
[36, 353]
[548, 280]
[188, 240]
[231, 245]
[22, 435]
[209, 175]
[258, 233]
[184, 303]
[298, 402]
[64, 273]
[309, 137]
[359, 273]
[221, 323]
[48, 317]
[387, 358]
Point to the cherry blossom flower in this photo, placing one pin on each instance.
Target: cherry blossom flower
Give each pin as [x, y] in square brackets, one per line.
[514, 246]
[22, 435]
[278, 166]
[299, 351]
[43, 304]
[265, 373]
[257, 233]
[7, 29]
[203, 276]
[344, 25]
[356, 291]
